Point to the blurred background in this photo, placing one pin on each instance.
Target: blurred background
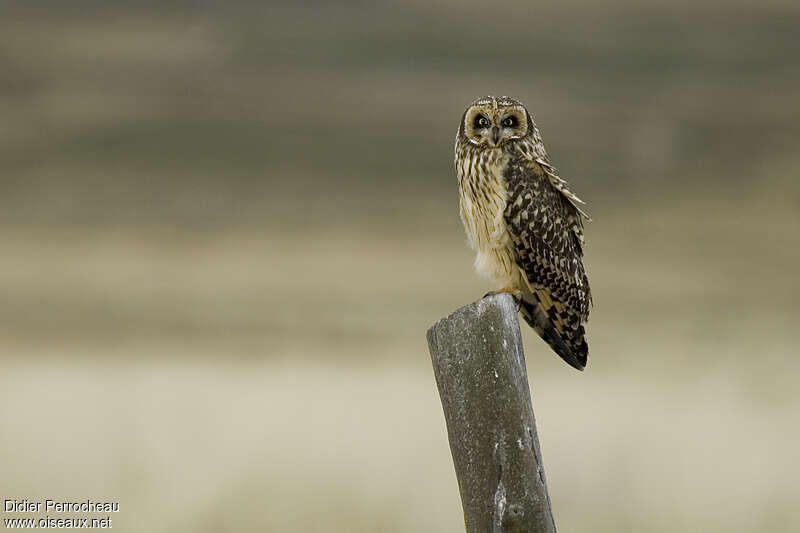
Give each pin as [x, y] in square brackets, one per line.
[226, 227]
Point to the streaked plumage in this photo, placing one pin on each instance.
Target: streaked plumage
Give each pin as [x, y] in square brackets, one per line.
[523, 221]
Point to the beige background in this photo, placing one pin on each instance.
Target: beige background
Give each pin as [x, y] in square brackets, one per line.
[225, 230]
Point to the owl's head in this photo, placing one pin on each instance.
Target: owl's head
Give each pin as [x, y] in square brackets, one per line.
[492, 121]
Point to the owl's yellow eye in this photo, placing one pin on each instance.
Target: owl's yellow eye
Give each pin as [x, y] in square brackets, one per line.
[481, 122]
[509, 122]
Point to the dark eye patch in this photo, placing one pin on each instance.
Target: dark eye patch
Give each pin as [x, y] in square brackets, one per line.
[510, 122]
[480, 121]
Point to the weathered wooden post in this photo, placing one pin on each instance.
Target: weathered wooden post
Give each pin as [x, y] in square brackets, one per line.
[480, 372]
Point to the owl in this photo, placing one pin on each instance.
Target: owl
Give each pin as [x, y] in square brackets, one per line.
[523, 222]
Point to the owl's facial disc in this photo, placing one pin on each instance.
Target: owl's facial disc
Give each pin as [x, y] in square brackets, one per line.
[492, 125]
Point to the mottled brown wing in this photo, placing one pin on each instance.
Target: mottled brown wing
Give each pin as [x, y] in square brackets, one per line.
[547, 232]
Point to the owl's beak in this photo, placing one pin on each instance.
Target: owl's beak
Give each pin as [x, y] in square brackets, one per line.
[495, 135]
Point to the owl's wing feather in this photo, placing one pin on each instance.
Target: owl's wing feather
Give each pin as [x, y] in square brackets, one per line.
[547, 230]
[562, 186]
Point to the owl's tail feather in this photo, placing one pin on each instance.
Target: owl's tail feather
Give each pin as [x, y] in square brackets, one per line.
[572, 349]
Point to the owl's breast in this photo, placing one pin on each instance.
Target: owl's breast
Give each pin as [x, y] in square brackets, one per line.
[483, 196]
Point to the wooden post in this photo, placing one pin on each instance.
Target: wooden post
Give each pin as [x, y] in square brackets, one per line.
[480, 372]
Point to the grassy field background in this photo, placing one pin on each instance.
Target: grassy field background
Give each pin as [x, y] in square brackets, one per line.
[225, 230]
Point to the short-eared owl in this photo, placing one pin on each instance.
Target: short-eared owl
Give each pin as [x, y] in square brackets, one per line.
[524, 223]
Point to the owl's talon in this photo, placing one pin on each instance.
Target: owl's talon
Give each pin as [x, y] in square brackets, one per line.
[515, 293]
